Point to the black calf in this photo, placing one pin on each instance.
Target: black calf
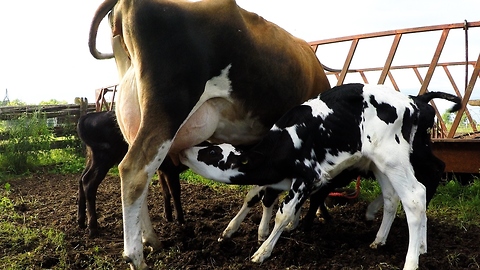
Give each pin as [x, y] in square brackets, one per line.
[106, 147]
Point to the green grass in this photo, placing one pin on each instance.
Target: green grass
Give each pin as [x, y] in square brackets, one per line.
[458, 203]
[194, 178]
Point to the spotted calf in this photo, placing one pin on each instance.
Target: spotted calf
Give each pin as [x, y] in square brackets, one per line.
[353, 126]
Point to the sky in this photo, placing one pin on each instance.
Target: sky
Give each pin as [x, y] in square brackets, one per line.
[44, 52]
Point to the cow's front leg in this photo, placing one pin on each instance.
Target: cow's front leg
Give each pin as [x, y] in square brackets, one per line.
[286, 214]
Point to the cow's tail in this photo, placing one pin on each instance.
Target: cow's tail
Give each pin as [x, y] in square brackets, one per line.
[100, 13]
[431, 95]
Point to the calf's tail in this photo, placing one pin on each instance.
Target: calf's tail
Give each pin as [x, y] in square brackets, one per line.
[431, 95]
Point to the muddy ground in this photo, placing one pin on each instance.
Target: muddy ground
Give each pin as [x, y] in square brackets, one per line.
[341, 244]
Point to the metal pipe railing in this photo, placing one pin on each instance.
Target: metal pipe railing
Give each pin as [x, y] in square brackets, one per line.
[424, 81]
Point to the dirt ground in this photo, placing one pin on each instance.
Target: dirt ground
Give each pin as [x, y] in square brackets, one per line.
[341, 244]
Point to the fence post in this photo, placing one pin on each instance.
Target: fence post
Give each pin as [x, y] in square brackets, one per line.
[83, 102]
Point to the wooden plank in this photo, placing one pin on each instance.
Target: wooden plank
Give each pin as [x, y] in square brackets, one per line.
[459, 155]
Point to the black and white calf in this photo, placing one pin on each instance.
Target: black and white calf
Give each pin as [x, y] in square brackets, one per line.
[106, 147]
[353, 126]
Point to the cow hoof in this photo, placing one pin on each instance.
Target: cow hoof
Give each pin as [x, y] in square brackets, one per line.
[129, 261]
[153, 244]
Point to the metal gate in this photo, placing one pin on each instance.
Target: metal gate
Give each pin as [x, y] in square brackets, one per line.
[459, 148]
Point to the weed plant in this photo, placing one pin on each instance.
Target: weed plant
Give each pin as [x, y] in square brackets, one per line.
[29, 140]
[28, 146]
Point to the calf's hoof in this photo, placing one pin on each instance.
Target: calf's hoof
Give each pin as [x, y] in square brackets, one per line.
[181, 219]
[93, 232]
[261, 255]
[226, 234]
[262, 238]
[376, 245]
[81, 223]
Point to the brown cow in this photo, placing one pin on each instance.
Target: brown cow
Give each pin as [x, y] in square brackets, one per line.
[206, 70]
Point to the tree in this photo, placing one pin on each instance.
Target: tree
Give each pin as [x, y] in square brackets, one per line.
[447, 117]
[16, 102]
[52, 102]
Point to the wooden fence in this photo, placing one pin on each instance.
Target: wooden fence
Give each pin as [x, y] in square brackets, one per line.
[62, 119]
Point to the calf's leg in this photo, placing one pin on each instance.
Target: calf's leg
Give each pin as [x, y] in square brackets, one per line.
[413, 196]
[253, 196]
[81, 201]
[167, 207]
[390, 201]
[171, 185]
[94, 173]
[285, 215]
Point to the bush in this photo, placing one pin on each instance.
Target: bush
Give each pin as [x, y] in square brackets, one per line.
[29, 140]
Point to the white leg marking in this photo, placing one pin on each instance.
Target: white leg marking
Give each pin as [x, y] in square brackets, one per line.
[237, 220]
[390, 201]
[148, 234]
[281, 221]
[133, 215]
[294, 223]
[413, 196]
[132, 244]
[263, 227]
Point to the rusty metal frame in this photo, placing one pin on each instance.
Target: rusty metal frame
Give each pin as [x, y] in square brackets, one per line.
[424, 81]
[101, 102]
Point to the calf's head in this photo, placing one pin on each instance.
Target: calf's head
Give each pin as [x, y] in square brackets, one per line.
[216, 162]
[228, 164]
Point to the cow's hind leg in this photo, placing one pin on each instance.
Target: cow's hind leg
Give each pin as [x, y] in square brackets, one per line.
[149, 238]
[136, 171]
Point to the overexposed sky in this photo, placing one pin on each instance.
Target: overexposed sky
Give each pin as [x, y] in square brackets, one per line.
[44, 52]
